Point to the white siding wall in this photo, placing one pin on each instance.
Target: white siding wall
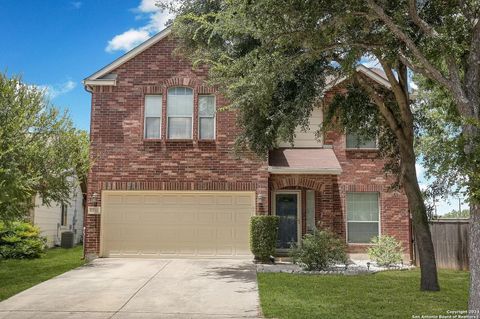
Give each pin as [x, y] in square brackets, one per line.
[307, 139]
[49, 218]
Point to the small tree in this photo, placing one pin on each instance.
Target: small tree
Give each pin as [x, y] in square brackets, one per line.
[386, 251]
[40, 150]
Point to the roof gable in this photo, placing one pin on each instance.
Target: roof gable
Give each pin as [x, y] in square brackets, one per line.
[102, 77]
[375, 74]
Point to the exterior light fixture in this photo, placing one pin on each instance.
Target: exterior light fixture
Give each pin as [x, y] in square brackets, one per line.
[261, 199]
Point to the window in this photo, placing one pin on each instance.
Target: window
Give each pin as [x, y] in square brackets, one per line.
[180, 113]
[355, 141]
[310, 207]
[206, 117]
[63, 216]
[363, 217]
[153, 116]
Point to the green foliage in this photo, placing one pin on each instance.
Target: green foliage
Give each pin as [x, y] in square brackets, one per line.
[355, 112]
[386, 251]
[440, 142]
[255, 49]
[20, 240]
[465, 213]
[319, 250]
[263, 236]
[40, 150]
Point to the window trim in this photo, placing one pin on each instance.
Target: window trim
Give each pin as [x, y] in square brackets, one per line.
[145, 117]
[379, 217]
[167, 120]
[214, 118]
[361, 148]
[63, 214]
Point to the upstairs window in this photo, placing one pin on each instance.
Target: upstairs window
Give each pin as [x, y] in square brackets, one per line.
[153, 116]
[356, 141]
[179, 113]
[362, 217]
[206, 117]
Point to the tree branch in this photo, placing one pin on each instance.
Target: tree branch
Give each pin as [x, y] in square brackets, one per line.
[429, 70]
[385, 111]
[472, 74]
[401, 96]
[424, 26]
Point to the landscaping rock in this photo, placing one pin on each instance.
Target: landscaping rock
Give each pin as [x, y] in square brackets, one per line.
[355, 267]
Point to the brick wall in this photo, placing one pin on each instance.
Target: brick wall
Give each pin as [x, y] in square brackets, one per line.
[122, 159]
[363, 172]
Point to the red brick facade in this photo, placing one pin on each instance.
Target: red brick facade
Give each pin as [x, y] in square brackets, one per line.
[123, 159]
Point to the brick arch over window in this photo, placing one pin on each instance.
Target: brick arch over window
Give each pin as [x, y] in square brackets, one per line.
[298, 181]
[191, 82]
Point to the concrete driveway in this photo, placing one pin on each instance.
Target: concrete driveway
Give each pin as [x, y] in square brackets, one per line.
[143, 288]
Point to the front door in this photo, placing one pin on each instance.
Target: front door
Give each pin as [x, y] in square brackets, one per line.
[286, 207]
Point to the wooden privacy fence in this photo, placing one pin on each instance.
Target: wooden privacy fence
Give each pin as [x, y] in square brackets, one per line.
[451, 240]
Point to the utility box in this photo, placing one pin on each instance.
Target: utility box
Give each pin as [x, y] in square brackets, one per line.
[67, 240]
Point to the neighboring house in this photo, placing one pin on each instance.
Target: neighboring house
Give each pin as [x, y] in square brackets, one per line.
[167, 183]
[56, 218]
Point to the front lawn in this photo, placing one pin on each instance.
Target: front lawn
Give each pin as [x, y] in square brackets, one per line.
[18, 275]
[391, 294]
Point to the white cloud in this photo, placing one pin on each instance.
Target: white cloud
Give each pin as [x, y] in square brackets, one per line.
[127, 40]
[148, 6]
[55, 90]
[156, 20]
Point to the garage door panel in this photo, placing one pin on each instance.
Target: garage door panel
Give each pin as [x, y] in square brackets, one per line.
[162, 224]
[242, 217]
[205, 218]
[225, 218]
[206, 199]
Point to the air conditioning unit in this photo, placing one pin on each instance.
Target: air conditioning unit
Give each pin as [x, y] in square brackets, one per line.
[67, 240]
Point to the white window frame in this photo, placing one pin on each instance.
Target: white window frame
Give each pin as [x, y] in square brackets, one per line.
[214, 117]
[346, 217]
[145, 117]
[183, 117]
[360, 148]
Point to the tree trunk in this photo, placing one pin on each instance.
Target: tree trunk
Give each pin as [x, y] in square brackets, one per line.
[421, 229]
[474, 301]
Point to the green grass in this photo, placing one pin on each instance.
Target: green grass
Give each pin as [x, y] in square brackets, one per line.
[391, 294]
[17, 275]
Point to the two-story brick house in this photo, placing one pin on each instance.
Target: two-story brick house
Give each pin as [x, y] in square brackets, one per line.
[168, 184]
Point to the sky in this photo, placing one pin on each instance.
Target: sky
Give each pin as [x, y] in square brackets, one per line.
[55, 44]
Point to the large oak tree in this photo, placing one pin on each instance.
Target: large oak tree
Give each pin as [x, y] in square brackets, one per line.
[260, 53]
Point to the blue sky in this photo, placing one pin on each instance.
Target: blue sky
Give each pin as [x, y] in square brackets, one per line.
[55, 44]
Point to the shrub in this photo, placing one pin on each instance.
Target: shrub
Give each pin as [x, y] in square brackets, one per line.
[319, 250]
[263, 236]
[387, 251]
[19, 240]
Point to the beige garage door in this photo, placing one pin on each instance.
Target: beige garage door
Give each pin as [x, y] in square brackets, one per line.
[162, 224]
